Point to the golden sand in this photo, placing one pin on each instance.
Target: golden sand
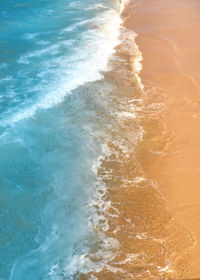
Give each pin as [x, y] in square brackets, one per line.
[169, 39]
[152, 168]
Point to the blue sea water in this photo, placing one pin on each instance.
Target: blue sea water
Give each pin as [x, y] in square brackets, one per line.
[51, 54]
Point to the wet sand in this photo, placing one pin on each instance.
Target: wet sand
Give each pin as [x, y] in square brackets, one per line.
[169, 39]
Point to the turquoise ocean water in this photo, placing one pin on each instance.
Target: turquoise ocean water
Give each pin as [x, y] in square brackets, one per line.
[52, 119]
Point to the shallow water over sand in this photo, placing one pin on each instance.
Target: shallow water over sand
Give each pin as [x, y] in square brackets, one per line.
[168, 37]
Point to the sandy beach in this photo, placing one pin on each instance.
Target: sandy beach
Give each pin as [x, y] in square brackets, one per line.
[168, 37]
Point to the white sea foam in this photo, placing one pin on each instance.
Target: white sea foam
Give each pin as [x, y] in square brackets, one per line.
[42, 42]
[31, 35]
[85, 66]
[166, 268]
[8, 78]
[123, 5]
[129, 39]
[76, 25]
[49, 50]
[137, 65]
[126, 115]
[94, 7]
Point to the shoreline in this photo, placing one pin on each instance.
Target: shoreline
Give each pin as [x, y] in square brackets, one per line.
[168, 39]
[138, 222]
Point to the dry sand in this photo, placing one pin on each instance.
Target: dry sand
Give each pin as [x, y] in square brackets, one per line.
[169, 39]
